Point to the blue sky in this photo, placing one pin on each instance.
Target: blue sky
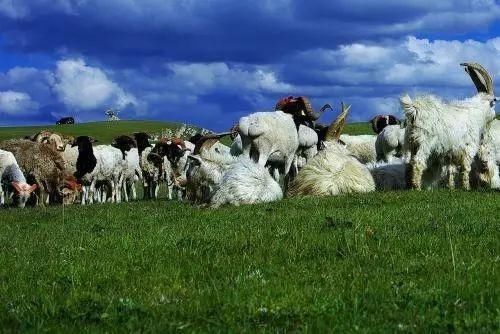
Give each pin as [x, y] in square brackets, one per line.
[210, 62]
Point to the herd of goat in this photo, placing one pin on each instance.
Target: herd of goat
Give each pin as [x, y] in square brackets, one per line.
[283, 152]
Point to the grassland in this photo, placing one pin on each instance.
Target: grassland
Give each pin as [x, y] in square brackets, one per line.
[106, 131]
[380, 262]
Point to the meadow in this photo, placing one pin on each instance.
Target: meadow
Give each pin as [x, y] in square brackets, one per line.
[381, 262]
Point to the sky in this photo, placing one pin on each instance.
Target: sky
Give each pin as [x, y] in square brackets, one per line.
[209, 62]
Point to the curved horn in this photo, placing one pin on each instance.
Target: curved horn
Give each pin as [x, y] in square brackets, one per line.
[326, 106]
[335, 129]
[308, 110]
[480, 76]
[207, 141]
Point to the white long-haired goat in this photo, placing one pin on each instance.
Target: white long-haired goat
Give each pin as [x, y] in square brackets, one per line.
[449, 132]
[333, 171]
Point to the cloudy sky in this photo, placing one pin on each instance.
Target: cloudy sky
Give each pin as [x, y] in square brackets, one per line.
[209, 62]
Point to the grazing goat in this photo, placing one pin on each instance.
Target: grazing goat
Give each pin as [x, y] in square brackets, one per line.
[12, 178]
[449, 132]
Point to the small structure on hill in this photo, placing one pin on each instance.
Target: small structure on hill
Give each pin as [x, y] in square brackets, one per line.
[112, 114]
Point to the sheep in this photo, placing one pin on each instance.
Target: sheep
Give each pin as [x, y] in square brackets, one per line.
[41, 164]
[333, 171]
[450, 132]
[51, 138]
[379, 122]
[269, 133]
[71, 189]
[169, 156]
[12, 176]
[361, 146]
[390, 143]
[132, 169]
[100, 163]
[150, 173]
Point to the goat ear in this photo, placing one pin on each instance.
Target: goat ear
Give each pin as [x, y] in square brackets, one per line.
[32, 188]
[17, 186]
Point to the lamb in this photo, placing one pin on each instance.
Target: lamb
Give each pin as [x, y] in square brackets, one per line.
[333, 171]
[269, 133]
[41, 165]
[390, 143]
[450, 132]
[12, 176]
[100, 163]
[169, 156]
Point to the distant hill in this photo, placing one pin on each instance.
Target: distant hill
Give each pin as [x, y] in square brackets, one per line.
[106, 131]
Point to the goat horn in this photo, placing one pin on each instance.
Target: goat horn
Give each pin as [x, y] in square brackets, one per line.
[207, 141]
[309, 110]
[335, 129]
[326, 106]
[480, 76]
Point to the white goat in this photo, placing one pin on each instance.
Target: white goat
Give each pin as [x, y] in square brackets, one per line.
[449, 132]
[333, 171]
[217, 179]
[269, 133]
[390, 143]
[308, 145]
[361, 146]
[131, 173]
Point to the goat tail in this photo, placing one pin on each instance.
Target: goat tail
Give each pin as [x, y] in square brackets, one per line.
[406, 104]
[250, 127]
[408, 108]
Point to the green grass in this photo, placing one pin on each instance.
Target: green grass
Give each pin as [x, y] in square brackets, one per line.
[102, 131]
[106, 131]
[381, 262]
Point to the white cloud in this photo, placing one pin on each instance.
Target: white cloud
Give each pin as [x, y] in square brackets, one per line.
[83, 87]
[202, 78]
[16, 103]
